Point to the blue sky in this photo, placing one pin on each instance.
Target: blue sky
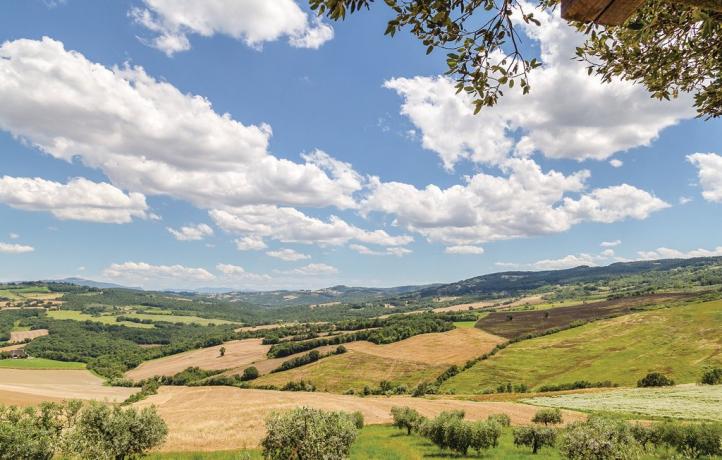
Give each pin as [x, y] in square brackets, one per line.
[170, 143]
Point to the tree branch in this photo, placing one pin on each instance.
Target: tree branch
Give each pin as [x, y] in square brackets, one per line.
[707, 5]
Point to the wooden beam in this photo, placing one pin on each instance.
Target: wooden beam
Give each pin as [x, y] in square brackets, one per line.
[605, 12]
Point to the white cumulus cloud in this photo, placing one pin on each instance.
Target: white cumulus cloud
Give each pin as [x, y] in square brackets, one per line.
[464, 249]
[191, 232]
[709, 167]
[161, 276]
[668, 253]
[252, 21]
[289, 255]
[568, 114]
[79, 199]
[10, 248]
[149, 137]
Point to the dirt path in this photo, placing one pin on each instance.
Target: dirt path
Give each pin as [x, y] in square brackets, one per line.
[219, 418]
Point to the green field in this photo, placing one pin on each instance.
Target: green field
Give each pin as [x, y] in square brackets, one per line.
[464, 323]
[103, 319]
[383, 442]
[178, 318]
[691, 402]
[677, 341]
[39, 363]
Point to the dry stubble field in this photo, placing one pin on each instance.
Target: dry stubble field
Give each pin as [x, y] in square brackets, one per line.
[28, 387]
[239, 353]
[223, 418]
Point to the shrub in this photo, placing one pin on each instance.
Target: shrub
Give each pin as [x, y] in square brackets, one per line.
[535, 436]
[102, 432]
[712, 376]
[340, 350]
[548, 416]
[599, 438]
[485, 435]
[501, 419]
[249, 373]
[406, 418]
[358, 419]
[690, 440]
[300, 385]
[655, 379]
[306, 433]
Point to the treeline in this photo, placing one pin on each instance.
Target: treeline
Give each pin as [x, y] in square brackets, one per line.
[390, 330]
[110, 350]
[310, 357]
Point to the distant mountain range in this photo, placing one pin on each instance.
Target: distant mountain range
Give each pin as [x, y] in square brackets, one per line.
[494, 284]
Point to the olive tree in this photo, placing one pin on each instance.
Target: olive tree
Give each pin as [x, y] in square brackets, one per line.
[669, 46]
[306, 434]
[406, 418]
[599, 438]
[535, 436]
[548, 416]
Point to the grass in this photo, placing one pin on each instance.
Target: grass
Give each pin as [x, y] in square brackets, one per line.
[691, 402]
[103, 319]
[39, 363]
[355, 370]
[383, 442]
[464, 324]
[677, 341]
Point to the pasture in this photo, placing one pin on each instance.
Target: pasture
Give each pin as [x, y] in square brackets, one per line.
[39, 363]
[26, 386]
[224, 418]
[520, 323]
[239, 354]
[177, 318]
[103, 319]
[691, 402]
[676, 341]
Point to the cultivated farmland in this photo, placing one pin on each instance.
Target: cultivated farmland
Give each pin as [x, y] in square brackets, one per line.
[695, 402]
[239, 353]
[22, 336]
[677, 341]
[219, 418]
[516, 324]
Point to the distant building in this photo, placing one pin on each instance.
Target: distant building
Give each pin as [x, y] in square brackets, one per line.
[18, 353]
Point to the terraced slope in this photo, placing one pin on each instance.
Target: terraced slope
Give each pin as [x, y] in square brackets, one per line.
[677, 341]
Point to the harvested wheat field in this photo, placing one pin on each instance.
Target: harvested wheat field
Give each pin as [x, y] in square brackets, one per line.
[220, 418]
[20, 386]
[453, 347]
[265, 366]
[21, 336]
[354, 370]
[239, 353]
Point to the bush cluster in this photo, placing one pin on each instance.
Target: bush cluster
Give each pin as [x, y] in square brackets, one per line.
[75, 430]
[304, 433]
[655, 379]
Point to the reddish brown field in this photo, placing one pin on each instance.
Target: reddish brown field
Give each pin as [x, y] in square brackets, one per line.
[223, 418]
[536, 321]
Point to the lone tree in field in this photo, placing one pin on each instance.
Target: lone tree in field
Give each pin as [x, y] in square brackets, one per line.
[548, 416]
[222, 351]
[249, 373]
[406, 418]
[305, 434]
[669, 46]
[655, 379]
[535, 436]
